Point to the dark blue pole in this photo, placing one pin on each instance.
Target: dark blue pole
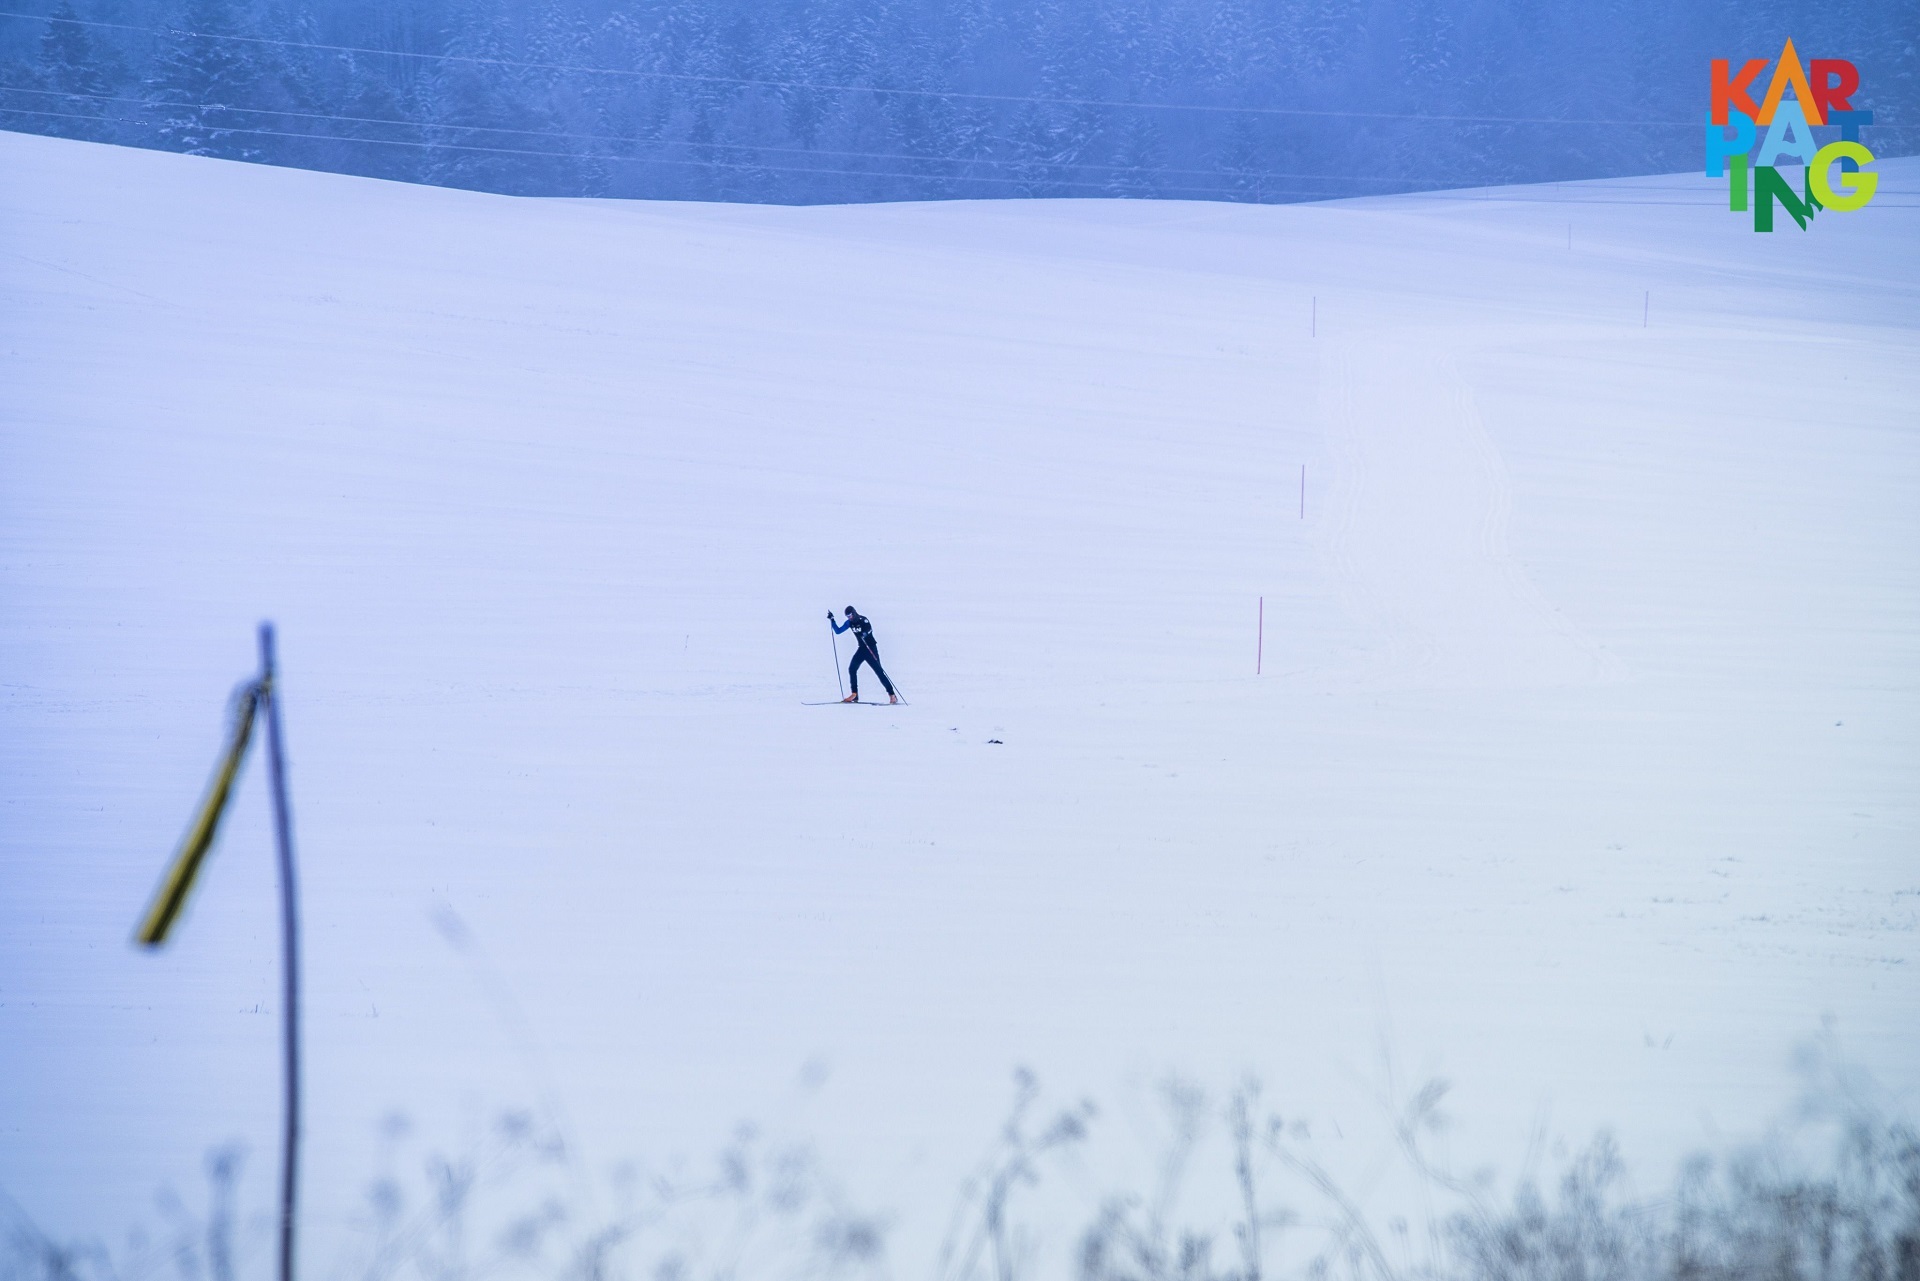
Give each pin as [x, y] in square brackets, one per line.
[289, 955]
[833, 638]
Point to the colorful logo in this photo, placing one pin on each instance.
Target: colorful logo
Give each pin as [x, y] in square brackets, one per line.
[1822, 95]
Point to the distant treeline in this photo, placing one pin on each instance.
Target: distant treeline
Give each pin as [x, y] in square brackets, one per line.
[806, 101]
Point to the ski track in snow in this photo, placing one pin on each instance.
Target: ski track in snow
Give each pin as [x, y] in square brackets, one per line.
[1418, 535]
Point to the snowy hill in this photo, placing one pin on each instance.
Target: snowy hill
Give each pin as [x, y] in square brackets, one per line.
[1581, 770]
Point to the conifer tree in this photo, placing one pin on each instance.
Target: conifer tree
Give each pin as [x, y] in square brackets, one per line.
[73, 66]
[203, 82]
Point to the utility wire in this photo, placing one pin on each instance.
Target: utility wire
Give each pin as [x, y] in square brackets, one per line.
[951, 95]
[1712, 202]
[152, 103]
[1611, 185]
[646, 160]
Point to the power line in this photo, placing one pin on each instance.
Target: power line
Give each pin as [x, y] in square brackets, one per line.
[678, 142]
[1706, 203]
[952, 95]
[645, 160]
[152, 104]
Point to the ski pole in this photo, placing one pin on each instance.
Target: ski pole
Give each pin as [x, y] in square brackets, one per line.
[899, 691]
[833, 638]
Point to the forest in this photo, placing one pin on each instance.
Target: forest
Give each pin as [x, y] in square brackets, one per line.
[830, 101]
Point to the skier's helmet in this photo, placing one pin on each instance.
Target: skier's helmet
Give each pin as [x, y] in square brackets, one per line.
[849, 611]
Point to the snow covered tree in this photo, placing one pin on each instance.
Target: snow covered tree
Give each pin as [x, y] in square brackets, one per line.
[81, 77]
[70, 62]
[1139, 158]
[203, 82]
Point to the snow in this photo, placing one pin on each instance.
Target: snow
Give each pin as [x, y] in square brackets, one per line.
[1581, 770]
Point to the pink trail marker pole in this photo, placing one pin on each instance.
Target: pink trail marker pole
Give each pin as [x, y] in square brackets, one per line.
[1260, 637]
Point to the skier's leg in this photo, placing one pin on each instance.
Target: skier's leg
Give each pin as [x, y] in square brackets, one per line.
[853, 669]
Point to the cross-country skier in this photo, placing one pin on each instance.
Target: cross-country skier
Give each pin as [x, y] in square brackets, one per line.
[865, 652]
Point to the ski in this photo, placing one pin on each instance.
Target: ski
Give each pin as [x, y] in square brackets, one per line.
[841, 702]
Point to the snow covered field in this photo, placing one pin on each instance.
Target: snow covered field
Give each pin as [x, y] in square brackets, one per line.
[1582, 770]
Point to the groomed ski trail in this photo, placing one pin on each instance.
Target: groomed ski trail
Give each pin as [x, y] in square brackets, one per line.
[1416, 539]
